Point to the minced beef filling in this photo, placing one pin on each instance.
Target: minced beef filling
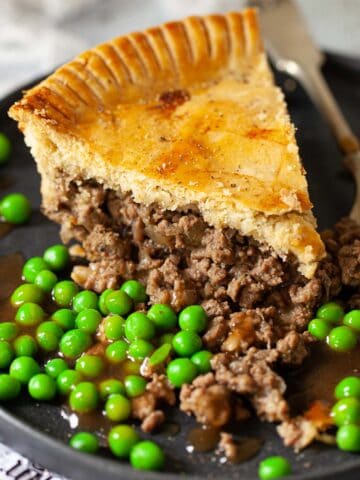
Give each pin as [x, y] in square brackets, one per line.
[258, 304]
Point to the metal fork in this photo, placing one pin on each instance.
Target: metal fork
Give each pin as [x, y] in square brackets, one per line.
[294, 52]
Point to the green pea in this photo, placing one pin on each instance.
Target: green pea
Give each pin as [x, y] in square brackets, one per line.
[352, 319]
[122, 439]
[114, 327]
[84, 397]
[24, 368]
[332, 312]
[90, 365]
[202, 361]
[181, 371]
[57, 257]
[110, 386]
[64, 292]
[15, 208]
[55, 366]
[117, 408]
[140, 349]
[186, 343]
[25, 345]
[27, 293]
[6, 354]
[9, 387]
[5, 148]
[48, 335]
[118, 302]
[147, 455]
[274, 467]
[46, 280]
[116, 352]
[319, 328]
[135, 290]
[131, 367]
[65, 318]
[32, 267]
[160, 355]
[102, 301]
[67, 380]
[42, 387]
[163, 316]
[84, 442]
[8, 331]
[348, 438]
[88, 320]
[342, 339]
[138, 325]
[74, 342]
[134, 385]
[30, 315]
[166, 338]
[346, 411]
[193, 318]
[84, 300]
[348, 387]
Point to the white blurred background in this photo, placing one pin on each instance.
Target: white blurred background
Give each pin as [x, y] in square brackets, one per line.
[38, 35]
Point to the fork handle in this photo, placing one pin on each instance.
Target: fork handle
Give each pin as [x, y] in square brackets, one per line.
[316, 86]
[320, 93]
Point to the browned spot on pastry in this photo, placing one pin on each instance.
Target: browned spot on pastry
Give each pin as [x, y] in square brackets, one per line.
[175, 98]
[304, 200]
[259, 133]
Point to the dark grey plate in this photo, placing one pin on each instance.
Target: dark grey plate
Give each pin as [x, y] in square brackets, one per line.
[39, 431]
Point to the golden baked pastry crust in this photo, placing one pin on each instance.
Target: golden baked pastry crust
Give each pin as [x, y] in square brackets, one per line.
[182, 113]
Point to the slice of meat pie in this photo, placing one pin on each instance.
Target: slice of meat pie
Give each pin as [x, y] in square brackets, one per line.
[169, 154]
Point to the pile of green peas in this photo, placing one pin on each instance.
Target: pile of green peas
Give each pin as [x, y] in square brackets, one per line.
[78, 319]
[346, 414]
[125, 443]
[339, 329]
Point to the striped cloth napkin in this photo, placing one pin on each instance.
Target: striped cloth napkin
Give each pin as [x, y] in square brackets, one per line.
[13, 466]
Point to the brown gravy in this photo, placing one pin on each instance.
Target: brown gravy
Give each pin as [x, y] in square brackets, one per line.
[202, 439]
[170, 429]
[247, 448]
[10, 277]
[89, 421]
[5, 228]
[318, 377]
[6, 181]
[206, 439]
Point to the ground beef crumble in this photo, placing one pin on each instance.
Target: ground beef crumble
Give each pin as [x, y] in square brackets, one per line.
[208, 400]
[145, 407]
[228, 446]
[252, 375]
[258, 304]
[297, 433]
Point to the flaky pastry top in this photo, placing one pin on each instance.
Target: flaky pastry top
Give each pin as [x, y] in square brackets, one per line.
[184, 113]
